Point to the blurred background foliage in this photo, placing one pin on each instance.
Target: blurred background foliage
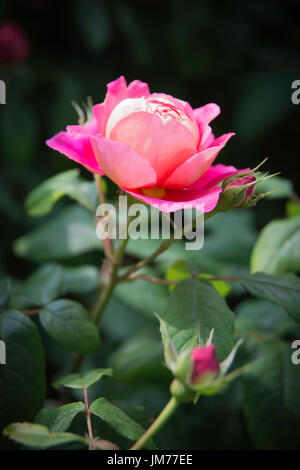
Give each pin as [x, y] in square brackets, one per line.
[243, 56]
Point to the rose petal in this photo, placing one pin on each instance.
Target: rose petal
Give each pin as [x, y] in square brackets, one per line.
[207, 137]
[124, 166]
[213, 176]
[204, 200]
[205, 114]
[193, 168]
[116, 92]
[165, 144]
[79, 150]
[180, 104]
[203, 117]
[204, 361]
[222, 140]
[89, 128]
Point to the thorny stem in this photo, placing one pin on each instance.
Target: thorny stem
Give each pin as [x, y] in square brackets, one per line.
[162, 418]
[163, 247]
[108, 289]
[118, 257]
[115, 262]
[88, 418]
[107, 242]
[170, 282]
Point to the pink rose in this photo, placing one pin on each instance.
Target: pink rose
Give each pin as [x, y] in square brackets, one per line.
[152, 145]
[205, 362]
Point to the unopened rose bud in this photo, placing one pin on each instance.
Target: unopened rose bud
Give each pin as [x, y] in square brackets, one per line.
[205, 363]
[14, 45]
[237, 191]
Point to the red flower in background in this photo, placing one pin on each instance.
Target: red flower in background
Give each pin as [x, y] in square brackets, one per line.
[14, 45]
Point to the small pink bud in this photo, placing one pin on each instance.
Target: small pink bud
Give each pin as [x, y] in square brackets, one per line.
[205, 362]
[243, 182]
[238, 191]
[14, 45]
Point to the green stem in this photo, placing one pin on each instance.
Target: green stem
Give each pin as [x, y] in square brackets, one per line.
[108, 289]
[107, 243]
[163, 247]
[157, 424]
[170, 282]
[114, 279]
[88, 418]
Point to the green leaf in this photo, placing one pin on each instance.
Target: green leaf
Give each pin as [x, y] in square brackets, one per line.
[51, 281]
[141, 248]
[170, 353]
[282, 186]
[84, 380]
[139, 357]
[292, 209]
[94, 24]
[212, 387]
[119, 421]
[79, 280]
[142, 296]
[284, 290]
[180, 270]
[271, 399]
[41, 200]
[177, 272]
[68, 323]
[231, 236]
[68, 234]
[40, 288]
[22, 378]
[264, 317]
[5, 290]
[127, 322]
[221, 286]
[196, 307]
[277, 249]
[59, 419]
[36, 435]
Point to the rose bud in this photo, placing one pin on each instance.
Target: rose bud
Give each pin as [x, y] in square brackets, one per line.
[204, 363]
[14, 45]
[239, 189]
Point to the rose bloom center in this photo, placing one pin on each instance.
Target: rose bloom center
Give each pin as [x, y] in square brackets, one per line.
[161, 107]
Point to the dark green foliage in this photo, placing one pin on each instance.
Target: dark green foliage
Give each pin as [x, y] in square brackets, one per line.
[243, 57]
